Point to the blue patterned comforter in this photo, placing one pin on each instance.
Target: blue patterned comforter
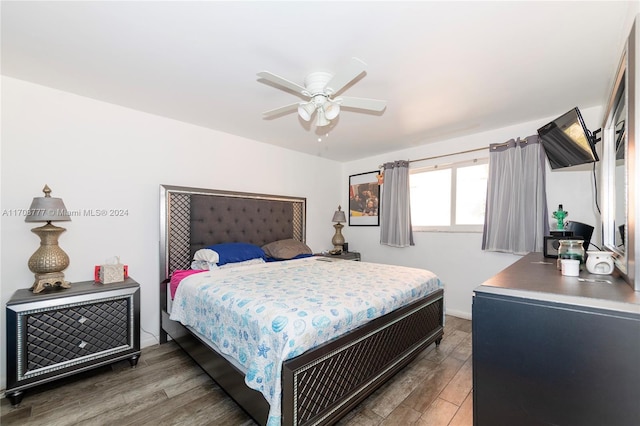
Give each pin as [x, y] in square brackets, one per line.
[262, 315]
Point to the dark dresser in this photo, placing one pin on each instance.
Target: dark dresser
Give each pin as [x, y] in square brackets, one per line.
[552, 350]
[67, 331]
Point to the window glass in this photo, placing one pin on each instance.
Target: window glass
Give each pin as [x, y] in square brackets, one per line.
[425, 188]
[449, 197]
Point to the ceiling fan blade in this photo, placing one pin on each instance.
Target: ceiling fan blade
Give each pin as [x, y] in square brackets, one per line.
[362, 103]
[344, 77]
[282, 110]
[283, 82]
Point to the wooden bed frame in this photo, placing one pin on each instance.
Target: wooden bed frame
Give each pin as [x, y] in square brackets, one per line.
[323, 384]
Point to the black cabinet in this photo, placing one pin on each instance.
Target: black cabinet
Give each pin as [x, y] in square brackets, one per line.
[549, 349]
[66, 331]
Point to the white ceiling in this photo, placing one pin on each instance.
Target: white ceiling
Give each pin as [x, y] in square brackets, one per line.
[446, 68]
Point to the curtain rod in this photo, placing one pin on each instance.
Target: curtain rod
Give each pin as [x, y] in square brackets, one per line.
[494, 146]
[440, 156]
[447, 155]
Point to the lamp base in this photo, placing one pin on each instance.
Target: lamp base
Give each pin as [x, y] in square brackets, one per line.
[48, 262]
[49, 280]
[338, 238]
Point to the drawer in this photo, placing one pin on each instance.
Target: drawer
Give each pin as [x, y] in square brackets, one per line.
[58, 336]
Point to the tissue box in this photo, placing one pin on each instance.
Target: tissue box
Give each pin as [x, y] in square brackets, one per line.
[107, 274]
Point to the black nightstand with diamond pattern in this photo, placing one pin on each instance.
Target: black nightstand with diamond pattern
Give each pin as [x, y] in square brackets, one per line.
[67, 331]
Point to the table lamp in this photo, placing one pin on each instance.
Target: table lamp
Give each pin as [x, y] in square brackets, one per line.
[338, 239]
[48, 262]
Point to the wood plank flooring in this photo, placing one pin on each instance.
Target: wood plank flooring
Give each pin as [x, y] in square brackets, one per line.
[168, 388]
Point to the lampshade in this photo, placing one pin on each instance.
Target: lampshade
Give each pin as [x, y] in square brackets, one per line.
[47, 209]
[306, 110]
[322, 120]
[339, 216]
[331, 110]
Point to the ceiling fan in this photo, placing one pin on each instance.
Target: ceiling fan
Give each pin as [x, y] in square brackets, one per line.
[320, 90]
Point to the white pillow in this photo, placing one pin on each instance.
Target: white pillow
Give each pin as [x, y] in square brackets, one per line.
[205, 259]
[207, 255]
[203, 265]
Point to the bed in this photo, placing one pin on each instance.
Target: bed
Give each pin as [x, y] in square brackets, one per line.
[322, 384]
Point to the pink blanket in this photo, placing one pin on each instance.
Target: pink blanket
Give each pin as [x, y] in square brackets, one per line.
[178, 276]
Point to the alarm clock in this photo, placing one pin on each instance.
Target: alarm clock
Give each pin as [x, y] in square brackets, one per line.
[599, 262]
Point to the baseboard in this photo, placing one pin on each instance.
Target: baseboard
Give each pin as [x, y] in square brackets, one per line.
[148, 340]
[458, 314]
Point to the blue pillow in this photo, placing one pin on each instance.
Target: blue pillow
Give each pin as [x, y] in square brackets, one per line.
[237, 252]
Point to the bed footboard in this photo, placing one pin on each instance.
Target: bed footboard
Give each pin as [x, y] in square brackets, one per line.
[322, 385]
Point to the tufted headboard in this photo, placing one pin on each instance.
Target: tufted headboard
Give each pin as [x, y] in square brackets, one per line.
[192, 218]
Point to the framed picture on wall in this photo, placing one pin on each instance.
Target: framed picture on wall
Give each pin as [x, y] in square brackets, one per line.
[364, 199]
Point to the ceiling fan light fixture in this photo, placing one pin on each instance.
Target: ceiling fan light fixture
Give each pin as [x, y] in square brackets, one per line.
[318, 91]
[322, 120]
[306, 110]
[331, 110]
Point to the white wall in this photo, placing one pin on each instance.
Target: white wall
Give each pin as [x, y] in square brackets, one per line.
[96, 155]
[457, 257]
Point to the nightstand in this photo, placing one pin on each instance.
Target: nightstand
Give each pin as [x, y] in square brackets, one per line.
[349, 255]
[66, 331]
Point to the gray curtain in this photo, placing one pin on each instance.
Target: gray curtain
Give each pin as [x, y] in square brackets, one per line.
[395, 226]
[516, 213]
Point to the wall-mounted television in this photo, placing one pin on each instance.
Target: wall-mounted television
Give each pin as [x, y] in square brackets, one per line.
[567, 141]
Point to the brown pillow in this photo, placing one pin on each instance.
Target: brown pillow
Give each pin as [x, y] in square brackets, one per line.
[286, 249]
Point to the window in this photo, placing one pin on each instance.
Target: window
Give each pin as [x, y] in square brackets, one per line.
[449, 197]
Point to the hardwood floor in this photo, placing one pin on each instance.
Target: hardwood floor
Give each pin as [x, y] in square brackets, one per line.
[168, 388]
